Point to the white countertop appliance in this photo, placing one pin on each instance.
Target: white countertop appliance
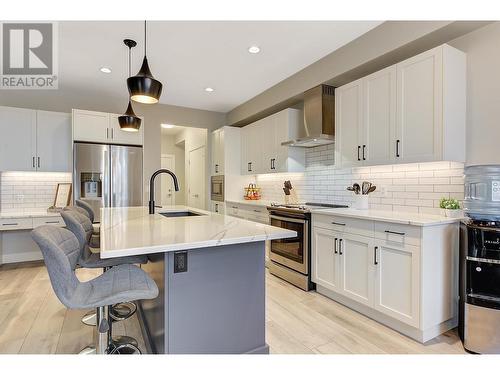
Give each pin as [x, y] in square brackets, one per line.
[290, 257]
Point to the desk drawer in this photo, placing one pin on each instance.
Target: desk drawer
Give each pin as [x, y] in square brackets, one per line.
[344, 224]
[16, 224]
[398, 233]
[51, 220]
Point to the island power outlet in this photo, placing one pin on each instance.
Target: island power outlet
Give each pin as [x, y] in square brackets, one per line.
[180, 261]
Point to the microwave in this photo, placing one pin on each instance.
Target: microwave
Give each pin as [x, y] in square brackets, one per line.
[217, 188]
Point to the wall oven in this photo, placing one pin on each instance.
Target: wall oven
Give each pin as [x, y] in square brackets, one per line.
[217, 188]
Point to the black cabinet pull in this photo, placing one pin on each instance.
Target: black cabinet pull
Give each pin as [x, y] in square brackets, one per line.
[364, 146]
[334, 222]
[398, 233]
[216, 168]
[249, 167]
[397, 148]
[10, 224]
[51, 222]
[375, 255]
[335, 246]
[33, 162]
[340, 246]
[39, 162]
[359, 148]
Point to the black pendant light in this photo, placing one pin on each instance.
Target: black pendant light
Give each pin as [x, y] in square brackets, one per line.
[143, 87]
[129, 121]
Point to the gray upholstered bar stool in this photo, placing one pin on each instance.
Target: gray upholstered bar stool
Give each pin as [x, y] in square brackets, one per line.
[95, 239]
[91, 214]
[61, 251]
[81, 226]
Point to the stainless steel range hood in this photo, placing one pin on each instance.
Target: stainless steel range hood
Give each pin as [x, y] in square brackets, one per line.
[319, 118]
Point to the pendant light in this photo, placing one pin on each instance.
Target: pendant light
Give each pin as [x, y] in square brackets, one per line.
[129, 121]
[143, 87]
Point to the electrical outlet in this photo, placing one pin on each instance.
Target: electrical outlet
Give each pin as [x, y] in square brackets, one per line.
[19, 198]
[180, 261]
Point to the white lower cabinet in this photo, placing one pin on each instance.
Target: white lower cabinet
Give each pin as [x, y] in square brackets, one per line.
[356, 268]
[397, 281]
[401, 277]
[326, 260]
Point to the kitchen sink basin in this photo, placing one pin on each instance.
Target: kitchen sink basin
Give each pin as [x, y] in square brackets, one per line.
[179, 214]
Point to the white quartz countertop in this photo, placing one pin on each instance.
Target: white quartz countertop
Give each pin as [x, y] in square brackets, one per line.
[398, 217]
[22, 215]
[133, 231]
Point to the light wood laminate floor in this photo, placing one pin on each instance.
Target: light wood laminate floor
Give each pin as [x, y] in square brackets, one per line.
[32, 320]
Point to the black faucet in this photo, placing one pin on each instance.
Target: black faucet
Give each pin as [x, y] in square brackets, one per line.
[152, 187]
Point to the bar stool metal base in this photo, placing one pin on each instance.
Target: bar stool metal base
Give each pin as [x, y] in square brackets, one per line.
[120, 311]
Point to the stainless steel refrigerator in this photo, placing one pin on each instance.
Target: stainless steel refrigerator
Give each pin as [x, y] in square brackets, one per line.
[107, 175]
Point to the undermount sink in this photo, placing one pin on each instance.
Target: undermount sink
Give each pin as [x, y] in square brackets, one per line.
[179, 214]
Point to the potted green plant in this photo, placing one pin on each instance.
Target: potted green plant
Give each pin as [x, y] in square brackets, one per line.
[451, 207]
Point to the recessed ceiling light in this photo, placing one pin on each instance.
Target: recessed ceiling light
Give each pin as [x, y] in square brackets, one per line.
[167, 126]
[105, 70]
[254, 49]
[209, 89]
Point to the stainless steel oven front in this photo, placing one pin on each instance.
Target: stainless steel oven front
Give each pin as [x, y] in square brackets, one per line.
[291, 252]
[217, 188]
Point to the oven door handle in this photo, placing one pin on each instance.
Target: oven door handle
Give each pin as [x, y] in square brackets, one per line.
[290, 219]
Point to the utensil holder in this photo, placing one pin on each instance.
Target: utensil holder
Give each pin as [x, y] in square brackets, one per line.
[360, 202]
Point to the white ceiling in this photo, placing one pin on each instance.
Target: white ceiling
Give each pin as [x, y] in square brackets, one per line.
[187, 56]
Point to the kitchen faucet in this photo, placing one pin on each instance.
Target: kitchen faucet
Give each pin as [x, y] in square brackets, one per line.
[152, 187]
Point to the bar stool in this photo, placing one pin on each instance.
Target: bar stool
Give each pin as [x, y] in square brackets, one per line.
[81, 227]
[88, 208]
[61, 251]
[95, 239]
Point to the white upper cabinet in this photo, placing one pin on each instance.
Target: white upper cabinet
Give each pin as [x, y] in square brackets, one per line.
[349, 124]
[261, 149]
[102, 127]
[18, 140]
[53, 142]
[379, 122]
[413, 111]
[35, 140]
[217, 152]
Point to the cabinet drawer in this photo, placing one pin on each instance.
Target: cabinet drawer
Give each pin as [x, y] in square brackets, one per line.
[398, 233]
[344, 224]
[51, 220]
[16, 224]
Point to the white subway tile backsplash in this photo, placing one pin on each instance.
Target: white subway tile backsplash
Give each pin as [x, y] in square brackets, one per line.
[29, 191]
[413, 187]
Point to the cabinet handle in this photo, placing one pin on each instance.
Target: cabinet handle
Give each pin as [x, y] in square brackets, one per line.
[359, 148]
[216, 208]
[397, 148]
[398, 233]
[334, 222]
[256, 211]
[250, 167]
[33, 162]
[375, 255]
[51, 222]
[234, 207]
[10, 224]
[38, 162]
[216, 168]
[112, 133]
[107, 133]
[364, 146]
[335, 246]
[340, 246]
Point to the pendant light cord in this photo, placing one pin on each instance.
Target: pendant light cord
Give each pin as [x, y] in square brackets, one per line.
[145, 38]
[129, 60]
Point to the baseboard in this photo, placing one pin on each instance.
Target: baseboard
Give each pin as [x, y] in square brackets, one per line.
[21, 257]
[407, 330]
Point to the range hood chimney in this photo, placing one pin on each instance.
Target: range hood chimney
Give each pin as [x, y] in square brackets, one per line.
[319, 118]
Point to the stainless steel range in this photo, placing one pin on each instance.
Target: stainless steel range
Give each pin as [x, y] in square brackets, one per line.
[290, 257]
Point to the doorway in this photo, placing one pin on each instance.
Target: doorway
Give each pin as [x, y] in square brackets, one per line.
[167, 184]
[196, 189]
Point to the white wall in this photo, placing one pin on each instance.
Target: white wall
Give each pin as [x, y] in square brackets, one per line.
[169, 146]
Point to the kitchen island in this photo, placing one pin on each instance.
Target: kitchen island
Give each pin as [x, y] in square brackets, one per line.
[210, 272]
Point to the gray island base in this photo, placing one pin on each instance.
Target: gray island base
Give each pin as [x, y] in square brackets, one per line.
[216, 307]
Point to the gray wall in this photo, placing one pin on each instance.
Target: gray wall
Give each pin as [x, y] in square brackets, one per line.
[483, 93]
